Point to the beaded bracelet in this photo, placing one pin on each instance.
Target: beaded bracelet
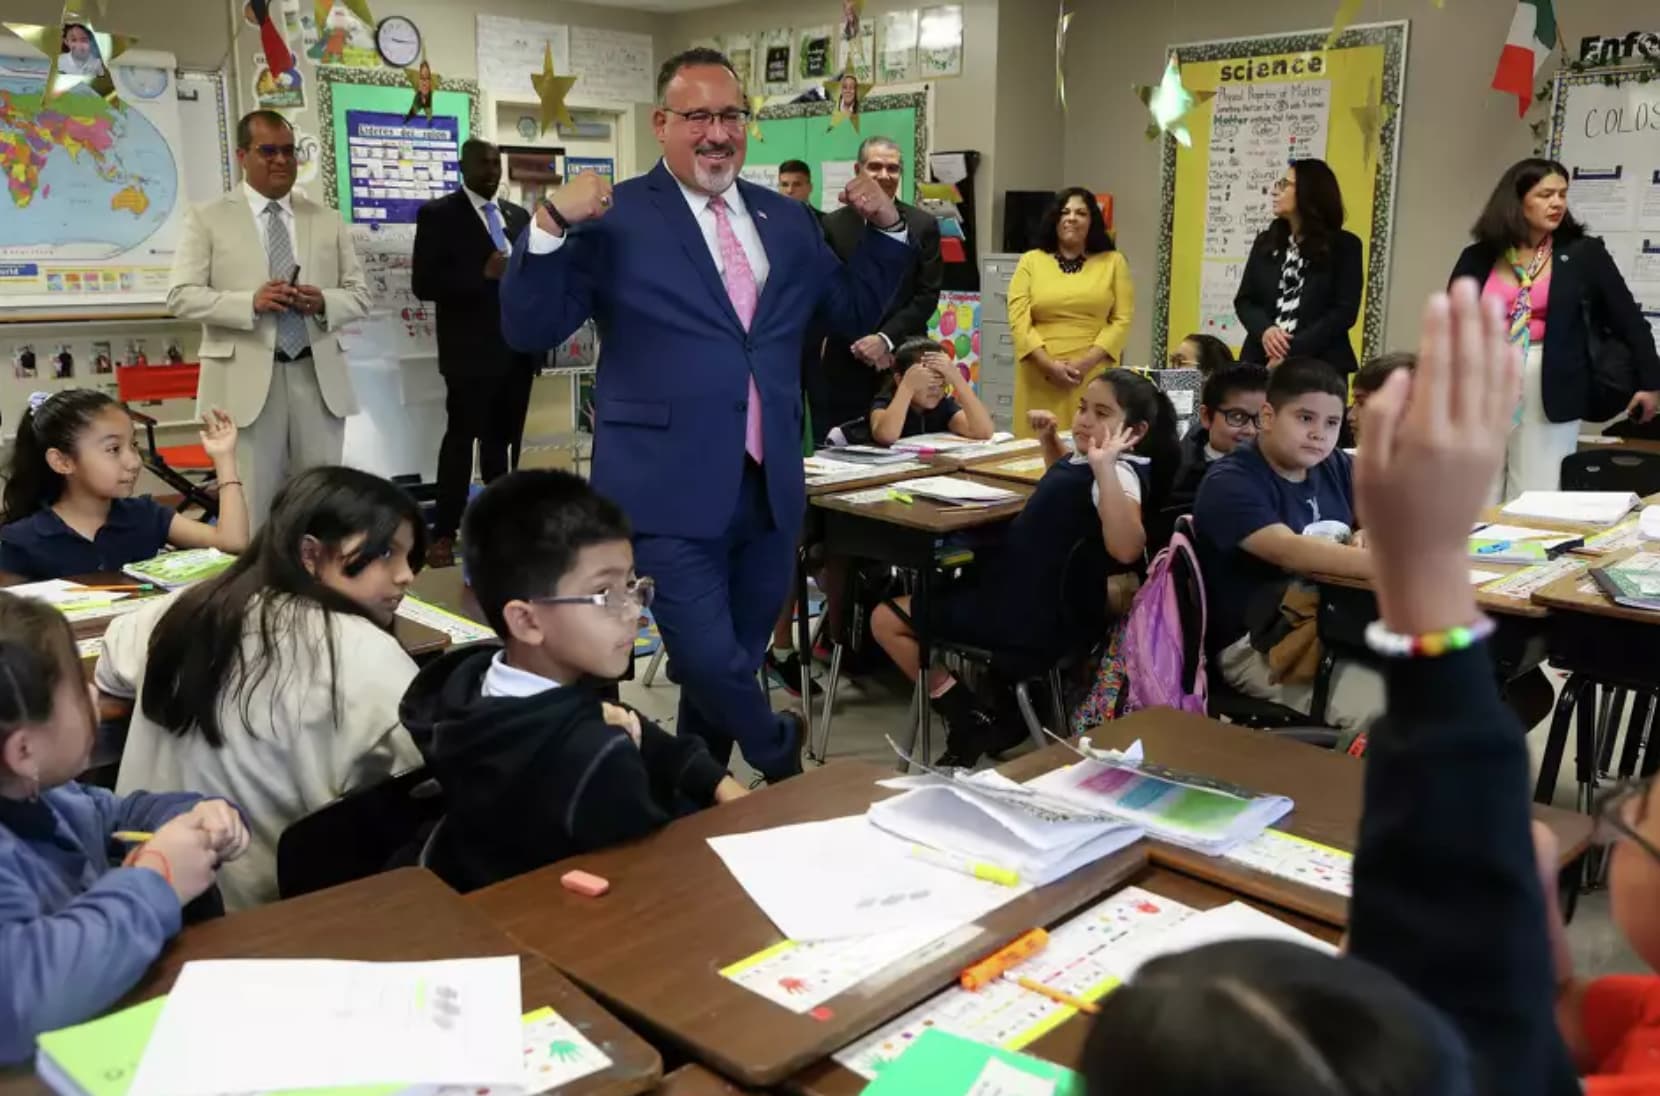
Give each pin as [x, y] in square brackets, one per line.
[145, 850]
[1430, 645]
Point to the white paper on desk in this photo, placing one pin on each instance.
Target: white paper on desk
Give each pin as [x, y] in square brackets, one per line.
[1500, 531]
[1234, 921]
[845, 877]
[58, 591]
[262, 1025]
[952, 489]
[1478, 577]
[1590, 507]
[1648, 523]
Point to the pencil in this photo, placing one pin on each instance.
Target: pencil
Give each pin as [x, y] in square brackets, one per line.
[1088, 1007]
[132, 837]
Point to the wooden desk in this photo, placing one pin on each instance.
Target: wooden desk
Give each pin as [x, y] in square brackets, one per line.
[1602, 444]
[874, 476]
[1016, 470]
[652, 948]
[404, 915]
[694, 1080]
[1326, 787]
[1065, 1045]
[906, 535]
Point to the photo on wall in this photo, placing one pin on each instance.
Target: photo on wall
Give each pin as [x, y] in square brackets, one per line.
[24, 365]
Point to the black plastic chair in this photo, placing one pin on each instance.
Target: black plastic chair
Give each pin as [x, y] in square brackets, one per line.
[1081, 593]
[359, 834]
[1612, 470]
[1224, 701]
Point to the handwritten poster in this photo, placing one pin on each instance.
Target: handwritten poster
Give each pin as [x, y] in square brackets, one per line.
[611, 66]
[509, 50]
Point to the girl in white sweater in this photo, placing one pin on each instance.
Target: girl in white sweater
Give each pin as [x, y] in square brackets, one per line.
[276, 684]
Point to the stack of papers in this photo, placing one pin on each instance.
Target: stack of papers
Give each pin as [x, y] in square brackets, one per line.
[1648, 523]
[846, 877]
[1519, 544]
[320, 1023]
[69, 598]
[953, 490]
[865, 454]
[1584, 507]
[1234, 921]
[1192, 811]
[991, 821]
[1633, 582]
[170, 570]
[458, 628]
[944, 442]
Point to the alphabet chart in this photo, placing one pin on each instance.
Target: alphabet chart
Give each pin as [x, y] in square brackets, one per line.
[1298, 859]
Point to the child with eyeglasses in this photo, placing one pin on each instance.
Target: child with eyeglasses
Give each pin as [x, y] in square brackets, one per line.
[1230, 409]
[536, 764]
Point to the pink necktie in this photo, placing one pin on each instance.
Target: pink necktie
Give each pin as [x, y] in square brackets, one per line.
[740, 287]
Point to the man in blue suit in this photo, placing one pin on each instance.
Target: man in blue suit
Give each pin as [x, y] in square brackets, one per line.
[702, 286]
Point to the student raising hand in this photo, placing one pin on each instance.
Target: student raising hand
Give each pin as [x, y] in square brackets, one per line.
[1434, 442]
[1104, 454]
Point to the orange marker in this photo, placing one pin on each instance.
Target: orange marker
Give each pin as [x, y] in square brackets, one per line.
[993, 966]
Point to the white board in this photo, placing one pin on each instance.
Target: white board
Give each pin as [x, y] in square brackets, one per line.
[1608, 137]
[205, 124]
[612, 66]
[509, 50]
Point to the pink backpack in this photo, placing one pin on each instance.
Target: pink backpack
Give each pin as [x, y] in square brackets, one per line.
[1154, 647]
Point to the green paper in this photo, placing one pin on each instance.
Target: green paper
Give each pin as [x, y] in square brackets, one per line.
[171, 570]
[102, 1056]
[943, 1064]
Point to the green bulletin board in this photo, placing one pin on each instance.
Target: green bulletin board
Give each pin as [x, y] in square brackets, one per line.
[383, 90]
[801, 131]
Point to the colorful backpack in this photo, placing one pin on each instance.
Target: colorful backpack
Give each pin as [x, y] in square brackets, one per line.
[1155, 647]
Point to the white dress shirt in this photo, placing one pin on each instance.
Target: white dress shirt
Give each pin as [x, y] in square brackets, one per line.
[743, 227]
[504, 680]
[258, 202]
[1128, 481]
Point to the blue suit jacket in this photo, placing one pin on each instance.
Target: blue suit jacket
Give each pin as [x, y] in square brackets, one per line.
[672, 389]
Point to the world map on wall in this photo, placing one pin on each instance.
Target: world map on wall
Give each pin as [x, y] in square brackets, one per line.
[92, 178]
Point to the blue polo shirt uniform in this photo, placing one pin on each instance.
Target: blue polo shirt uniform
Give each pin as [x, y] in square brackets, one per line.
[41, 546]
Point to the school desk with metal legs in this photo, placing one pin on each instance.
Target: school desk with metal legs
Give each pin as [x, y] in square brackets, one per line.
[907, 535]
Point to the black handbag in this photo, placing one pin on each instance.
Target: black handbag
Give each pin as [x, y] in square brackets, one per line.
[1613, 370]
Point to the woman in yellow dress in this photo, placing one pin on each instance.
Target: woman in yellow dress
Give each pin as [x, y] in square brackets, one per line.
[1070, 306]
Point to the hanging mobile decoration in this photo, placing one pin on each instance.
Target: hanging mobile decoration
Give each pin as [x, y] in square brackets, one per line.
[1063, 21]
[79, 53]
[1347, 12]
[1169, 102]
[756, 102]
[848, 95]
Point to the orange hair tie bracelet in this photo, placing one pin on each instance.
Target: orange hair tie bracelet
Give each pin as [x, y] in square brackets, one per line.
[144, 850]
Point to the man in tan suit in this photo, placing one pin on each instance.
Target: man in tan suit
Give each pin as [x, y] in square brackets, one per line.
[272, 276]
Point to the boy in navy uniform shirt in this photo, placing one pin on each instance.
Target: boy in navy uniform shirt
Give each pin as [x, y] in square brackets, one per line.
[1274, 510]
[535, 764]
[928, 398]
[1230, 409]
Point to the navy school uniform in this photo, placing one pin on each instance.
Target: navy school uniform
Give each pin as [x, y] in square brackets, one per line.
[41, 546]
[1016, 602]
[934, 420]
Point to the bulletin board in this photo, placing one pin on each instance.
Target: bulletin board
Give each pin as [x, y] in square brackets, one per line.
[802, 131]
[1603, 127]
[1277, 99]
[341, 91]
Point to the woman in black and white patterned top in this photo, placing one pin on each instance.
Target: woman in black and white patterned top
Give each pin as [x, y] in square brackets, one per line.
[1302, 286]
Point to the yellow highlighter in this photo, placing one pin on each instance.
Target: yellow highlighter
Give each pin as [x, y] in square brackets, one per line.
[979, 869]
[132, 837]
[900, 496]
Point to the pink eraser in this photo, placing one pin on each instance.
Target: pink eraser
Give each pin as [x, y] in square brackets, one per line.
[584, 883]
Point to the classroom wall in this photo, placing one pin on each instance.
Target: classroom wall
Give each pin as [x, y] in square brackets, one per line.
[1457, 136]
[1029, 124]
[964, 106]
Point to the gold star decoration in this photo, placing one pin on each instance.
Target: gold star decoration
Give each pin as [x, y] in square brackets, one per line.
[551, 89]
[1169, 102]
[756, 102]
[1063, 21]
[48, 40]
[1347, 12]
[423, 101]
[1371, 118]
[833, 88]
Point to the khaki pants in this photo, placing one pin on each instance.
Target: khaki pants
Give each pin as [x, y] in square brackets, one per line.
[294, 431]
[1355, 699]
[1536, 447]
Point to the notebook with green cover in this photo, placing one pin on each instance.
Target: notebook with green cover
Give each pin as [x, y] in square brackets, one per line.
[943, 1064]
[171, 570]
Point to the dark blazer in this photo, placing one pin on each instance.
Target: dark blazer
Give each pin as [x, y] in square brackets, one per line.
[671, 394]
[1582, 273]
[851, 383]
[1331, 302]
[451, 248]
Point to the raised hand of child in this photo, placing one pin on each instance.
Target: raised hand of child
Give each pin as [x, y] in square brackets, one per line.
[921, 377]
[182, 853]
[1434, 441]
[619, 716]
[227, 833]
[1104, 454]
[1043, 423]
[218, 433]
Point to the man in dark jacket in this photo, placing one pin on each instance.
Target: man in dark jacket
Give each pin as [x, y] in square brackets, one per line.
[855, 362]
[461, 246]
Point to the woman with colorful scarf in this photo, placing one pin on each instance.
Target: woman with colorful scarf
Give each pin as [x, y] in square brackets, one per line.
[1553, 280]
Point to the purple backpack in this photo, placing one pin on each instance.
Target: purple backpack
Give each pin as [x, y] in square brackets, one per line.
[1154, 646]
